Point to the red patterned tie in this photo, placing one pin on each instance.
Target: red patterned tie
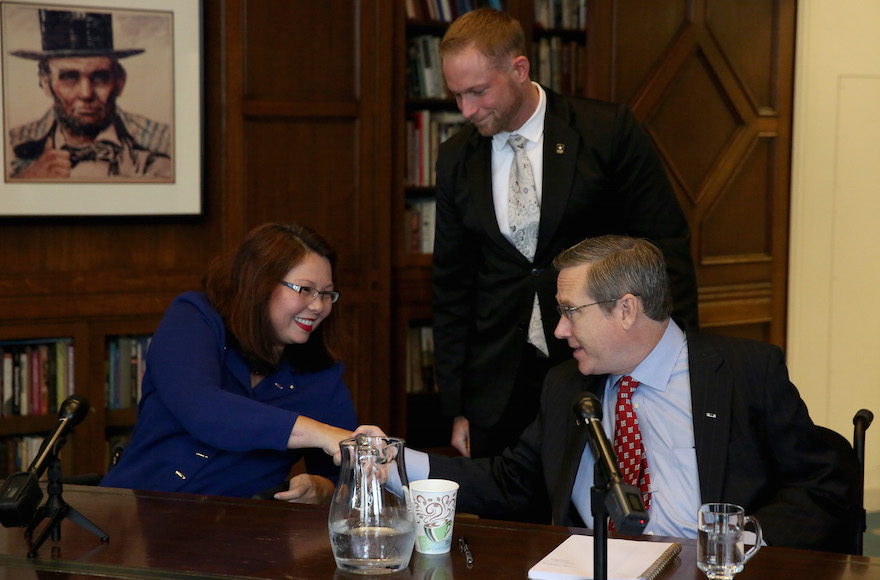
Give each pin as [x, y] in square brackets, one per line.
[628, 441]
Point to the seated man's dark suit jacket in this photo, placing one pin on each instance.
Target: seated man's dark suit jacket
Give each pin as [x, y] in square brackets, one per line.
[756, 447]
[601, 175]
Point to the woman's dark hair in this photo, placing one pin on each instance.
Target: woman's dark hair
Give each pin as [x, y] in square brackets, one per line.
[240, 284]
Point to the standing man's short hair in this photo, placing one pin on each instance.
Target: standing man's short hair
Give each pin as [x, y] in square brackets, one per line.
[495, 34]
[622, 265]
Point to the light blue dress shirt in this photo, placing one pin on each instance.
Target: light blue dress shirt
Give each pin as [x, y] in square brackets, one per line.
[663, 407]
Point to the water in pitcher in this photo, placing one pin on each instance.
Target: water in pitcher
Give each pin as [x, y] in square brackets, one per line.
[372, 549]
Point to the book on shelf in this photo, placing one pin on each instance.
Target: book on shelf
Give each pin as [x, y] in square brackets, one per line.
[426, 74]
[563, 14]
[420, 225]
[47, 373]
[559, 65]
[17, 453]
[126, 363]
[446, 10]
[626, 559]
[37, 375]
[425, 131]
[9, 403]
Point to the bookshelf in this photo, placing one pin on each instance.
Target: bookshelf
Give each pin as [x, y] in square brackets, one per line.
[425, 115]
[82, 346]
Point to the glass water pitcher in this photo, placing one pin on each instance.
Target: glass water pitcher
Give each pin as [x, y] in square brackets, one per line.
[372, 526]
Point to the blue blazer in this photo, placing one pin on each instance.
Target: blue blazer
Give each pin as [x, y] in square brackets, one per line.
[202, 428]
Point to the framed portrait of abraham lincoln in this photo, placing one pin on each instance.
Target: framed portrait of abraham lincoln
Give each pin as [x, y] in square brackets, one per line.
[102, 107]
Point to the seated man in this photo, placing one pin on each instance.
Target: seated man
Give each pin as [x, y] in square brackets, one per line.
[718, 416]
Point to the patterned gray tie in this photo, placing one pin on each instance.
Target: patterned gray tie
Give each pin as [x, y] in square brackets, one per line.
[524, 215]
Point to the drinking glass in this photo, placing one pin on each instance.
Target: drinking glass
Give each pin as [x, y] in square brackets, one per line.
[720, 548]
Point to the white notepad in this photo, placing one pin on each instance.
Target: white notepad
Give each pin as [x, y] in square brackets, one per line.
[627, 559]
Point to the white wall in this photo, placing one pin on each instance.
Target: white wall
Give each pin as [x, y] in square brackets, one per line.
[834, 294]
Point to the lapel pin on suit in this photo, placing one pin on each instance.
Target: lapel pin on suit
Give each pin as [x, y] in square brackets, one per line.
[711, 415]
[560, 148]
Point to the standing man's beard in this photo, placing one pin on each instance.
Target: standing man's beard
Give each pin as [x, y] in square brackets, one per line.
[72, 125]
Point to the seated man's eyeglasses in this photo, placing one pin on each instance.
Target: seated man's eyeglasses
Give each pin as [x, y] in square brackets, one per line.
[568, 311]
[312, 293]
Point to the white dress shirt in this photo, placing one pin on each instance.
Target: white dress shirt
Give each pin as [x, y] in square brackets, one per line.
[502, 157]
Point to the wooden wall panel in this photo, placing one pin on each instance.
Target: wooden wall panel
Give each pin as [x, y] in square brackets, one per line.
[78, 270]
[638, 41]
[301, 50]
[751, 48]
[79, 256]
[311, 119]
[712, 82]
[745, 201]
[297, 183]
[693, 124]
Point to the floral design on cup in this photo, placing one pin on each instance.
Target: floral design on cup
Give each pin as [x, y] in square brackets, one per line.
[435, 514]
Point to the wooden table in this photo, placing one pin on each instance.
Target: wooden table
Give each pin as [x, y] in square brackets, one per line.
[169, 536]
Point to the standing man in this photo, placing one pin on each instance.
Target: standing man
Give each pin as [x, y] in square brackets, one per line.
[85, 136]
[535, 173]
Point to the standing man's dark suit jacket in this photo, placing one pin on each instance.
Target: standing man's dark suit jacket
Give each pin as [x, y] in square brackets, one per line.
[601, 176]
[755, 443]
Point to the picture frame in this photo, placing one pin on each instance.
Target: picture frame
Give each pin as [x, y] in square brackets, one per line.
[81, 138]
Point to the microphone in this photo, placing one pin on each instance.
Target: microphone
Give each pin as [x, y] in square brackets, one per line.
[21, 493]
[623, 501]
[71, 413]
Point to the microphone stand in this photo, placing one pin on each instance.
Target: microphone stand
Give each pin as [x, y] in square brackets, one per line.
[598, 493]
[56, 509]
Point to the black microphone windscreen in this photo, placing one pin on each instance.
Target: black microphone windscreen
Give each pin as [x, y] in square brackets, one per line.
[75, 408]
[587, 406]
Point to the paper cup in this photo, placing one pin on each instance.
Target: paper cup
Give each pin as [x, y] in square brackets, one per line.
[434, 505]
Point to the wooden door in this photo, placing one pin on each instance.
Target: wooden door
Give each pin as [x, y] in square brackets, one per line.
[712, 82]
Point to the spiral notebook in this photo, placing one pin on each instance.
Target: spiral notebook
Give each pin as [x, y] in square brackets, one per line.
[627, 560]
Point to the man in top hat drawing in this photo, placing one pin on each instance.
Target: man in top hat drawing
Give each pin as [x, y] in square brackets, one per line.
[85, 136]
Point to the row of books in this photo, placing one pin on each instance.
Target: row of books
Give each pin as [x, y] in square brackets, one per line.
[424, 71]
[37, 375]
[567, 14]
[126, 362]
[559, 65]
[446, 10]
[17, 453]
[425, 130]
[420, 360]
[420, 225]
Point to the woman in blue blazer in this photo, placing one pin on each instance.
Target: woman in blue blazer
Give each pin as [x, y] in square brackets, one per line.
[241, 380]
